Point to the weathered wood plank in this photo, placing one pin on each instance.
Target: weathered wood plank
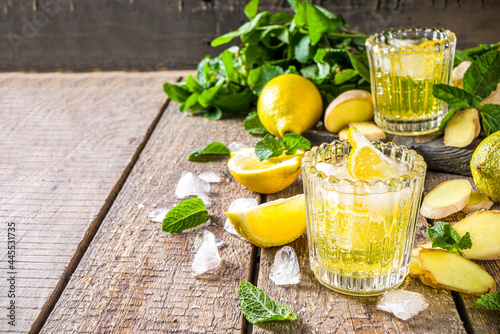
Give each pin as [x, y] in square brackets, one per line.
[77, 35]
[134, 277]
[321, 310]
[481, 321]
[66, 141]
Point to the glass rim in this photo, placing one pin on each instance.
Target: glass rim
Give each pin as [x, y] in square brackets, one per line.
[417, 169]
[378, 41]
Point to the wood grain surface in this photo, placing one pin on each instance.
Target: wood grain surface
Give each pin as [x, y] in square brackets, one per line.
[148, 35]
[66, 142]
[134, 277]
[478, 320]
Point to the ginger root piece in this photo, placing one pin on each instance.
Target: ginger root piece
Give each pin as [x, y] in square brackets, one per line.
[445, 270]
[369, 129]
[447, 198]
[457, 76]
[351, 106]
[484, 229]
[343, 133]
[462, 128]
[477, 201]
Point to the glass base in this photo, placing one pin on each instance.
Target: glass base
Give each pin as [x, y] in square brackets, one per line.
[361, 287]
[409, 128]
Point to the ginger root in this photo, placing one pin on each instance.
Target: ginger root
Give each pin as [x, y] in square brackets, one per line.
[351, 106]
[457, 76]
[462, 128]
[447, 198]
[477, 201]
[369, 129]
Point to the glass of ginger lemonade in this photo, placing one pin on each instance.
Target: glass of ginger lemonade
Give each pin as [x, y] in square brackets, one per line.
[404, 66]
[362, 204]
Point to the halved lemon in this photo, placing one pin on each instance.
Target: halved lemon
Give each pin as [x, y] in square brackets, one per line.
[366, 162]
[271, 224]
[268, 176]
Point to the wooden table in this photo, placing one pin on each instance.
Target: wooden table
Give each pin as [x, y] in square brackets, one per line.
[84, 158]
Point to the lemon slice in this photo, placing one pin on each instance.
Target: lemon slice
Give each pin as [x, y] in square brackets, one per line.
[366, 162]
[271, 224]
[268, 176]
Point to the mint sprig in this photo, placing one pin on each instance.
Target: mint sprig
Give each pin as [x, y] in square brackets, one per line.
[258, 307]
[489, 301]
[444, 236]
[253, 125]
[209, 152]
[187, 214]
[272, 147]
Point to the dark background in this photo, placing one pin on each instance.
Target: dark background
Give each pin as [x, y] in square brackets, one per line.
[147, 35]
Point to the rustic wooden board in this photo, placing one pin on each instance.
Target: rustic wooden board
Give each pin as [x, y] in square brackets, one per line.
[66, 142]
[478, 320]
[321, 310]
[134, 277]
[147, 35]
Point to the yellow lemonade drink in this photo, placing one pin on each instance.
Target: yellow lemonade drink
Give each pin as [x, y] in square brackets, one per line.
[361, 233]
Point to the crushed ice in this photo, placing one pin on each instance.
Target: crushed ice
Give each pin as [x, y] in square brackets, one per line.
[199, 239]
[285, 269]
[158, 214]
[210, 177]
[239, 204]
[404, 304]
[207, 256]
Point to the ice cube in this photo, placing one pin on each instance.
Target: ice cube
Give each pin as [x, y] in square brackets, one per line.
[199, 238]
[210, 177]
[158, 214]
[235, 146]
[404, 304]
[285, 269]
[400, 43]
[207, 257]
[191, 185]
[206, 199]
[239, 204]
[326, 168]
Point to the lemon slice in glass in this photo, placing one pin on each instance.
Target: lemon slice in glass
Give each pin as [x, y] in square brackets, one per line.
[271, 224]
[366, 162]
[268, 176]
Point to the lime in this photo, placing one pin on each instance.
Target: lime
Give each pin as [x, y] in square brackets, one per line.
[485, 166]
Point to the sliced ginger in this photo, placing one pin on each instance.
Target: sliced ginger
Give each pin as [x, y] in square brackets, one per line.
[457, 76]
[462, 128]
[445, 270]
[351, 106]
[477, 201]
[369, 129]
[447, 198]
[415, 269]
[484, 229]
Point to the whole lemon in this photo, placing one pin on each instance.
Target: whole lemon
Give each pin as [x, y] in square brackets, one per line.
[485, 166]
[289, 103]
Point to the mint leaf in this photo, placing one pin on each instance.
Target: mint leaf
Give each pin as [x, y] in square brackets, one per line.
[360, 64]
[209, 152]
[258, 307]
[444, 236]
[251, 9]
[268, 147]
[483, 76]
[187, 214]
[213, 114]
[236, 102]
[253, 125]
[455, 97]
[490, 301]
[490, 114]
[259, 77]
[344, 76]
[258, 20]
[317, 23]
[480, 50]
[177, 92]
[293, 142]
[193, 85]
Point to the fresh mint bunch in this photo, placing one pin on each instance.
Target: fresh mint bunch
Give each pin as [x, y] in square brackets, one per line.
[209, 152]
[312, 42]
[272, 147]
[258, 307]
[185, 215]
[481, 78]
[489, 301]
[444, 236]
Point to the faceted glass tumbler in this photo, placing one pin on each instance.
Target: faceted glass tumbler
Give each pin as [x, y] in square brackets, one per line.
[404, 66]
[361, 233]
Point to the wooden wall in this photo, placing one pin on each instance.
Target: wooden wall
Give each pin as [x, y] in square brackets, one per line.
[146, 35]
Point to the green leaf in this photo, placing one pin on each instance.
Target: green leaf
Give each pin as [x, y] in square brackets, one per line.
[260, 76]
[187, 214]
[251, 9]
[253, 125]
[460, 56]
[344, 76]
[235, 103]
[268, 147]
[191, 101]
[258, 307]
[293, 142]
[446, 118]
[303, 50]
[280, 17]
[209, 152]
[193, 85]
[293, 5]
[444, 236]
[208, 97]
[489, 301]
[483, 76]
[490, 115]
[317, 23]
[227, 58]
[480, 50]
[258, 20]
[213, 114]
[176, 92]
[360, 64]
[455, 97]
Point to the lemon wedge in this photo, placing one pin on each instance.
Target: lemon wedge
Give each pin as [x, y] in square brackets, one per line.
[366, 162]
[271, 224]
[268, 176]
